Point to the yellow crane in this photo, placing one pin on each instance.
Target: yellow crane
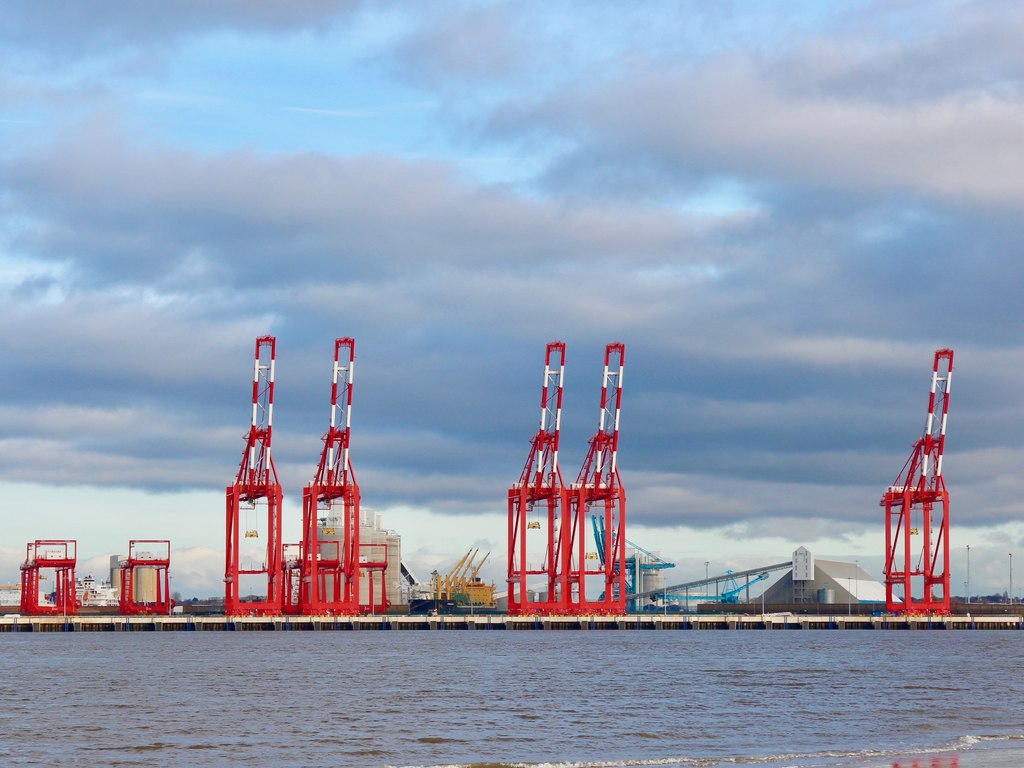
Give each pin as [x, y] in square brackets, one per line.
[459, 576]
[443, 584]
[470, 589]
[462, 585]
[476, 571]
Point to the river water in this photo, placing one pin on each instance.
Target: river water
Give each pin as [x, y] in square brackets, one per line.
[810, 699]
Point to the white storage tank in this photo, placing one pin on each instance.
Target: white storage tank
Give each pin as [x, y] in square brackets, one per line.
[371, 532]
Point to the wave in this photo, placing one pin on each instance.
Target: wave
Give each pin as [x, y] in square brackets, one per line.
[791, 759]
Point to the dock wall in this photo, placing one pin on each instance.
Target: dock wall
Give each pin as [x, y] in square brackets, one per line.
[435, 623]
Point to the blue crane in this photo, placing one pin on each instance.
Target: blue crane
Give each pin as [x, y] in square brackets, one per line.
[634, 563]
[731, 592]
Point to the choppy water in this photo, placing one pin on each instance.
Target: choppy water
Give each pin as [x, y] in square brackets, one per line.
[672, 698]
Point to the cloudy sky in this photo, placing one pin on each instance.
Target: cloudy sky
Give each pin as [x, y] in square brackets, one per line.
[782, 214]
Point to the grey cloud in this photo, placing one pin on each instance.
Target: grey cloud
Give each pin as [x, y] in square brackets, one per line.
[468, 43]
[931, 113]
[60, 30]
[728, 119]
[946, 51]
[233, 219]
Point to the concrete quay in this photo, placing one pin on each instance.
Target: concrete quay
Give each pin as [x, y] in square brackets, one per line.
[463, 622]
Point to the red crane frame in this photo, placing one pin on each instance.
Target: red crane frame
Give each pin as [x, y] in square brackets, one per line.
[599, 483]
[61, 555]
[375, 563]
[330, 568]
[917, 512]
[160, 562]
[292, 565]
[541, 483]
[256, 484]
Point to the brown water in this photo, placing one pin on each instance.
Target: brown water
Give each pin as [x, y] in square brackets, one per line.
[943, 699]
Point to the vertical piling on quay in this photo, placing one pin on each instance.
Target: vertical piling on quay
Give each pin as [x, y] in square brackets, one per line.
[19, 623]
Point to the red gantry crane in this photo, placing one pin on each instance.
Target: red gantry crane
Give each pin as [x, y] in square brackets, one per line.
[146, 578]
[256, 485]
[61, 556]
[330, 567]
[917, 512]
[599, 485]
[547, 553]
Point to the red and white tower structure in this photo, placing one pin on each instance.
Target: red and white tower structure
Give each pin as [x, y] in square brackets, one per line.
[145, 587]
[538, 536]
[917, 512]
[60, 556]
[256, 487]
[599, 488]
[330, 567]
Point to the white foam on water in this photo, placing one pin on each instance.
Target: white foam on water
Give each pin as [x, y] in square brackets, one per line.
[784, 760]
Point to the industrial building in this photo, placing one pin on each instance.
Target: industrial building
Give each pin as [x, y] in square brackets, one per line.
[813, 580]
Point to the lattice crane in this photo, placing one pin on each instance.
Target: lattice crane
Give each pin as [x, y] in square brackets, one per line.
[917, 512]
[256, 485]
[545, 553]
[333, 567]
[599, 484]
[330, 571]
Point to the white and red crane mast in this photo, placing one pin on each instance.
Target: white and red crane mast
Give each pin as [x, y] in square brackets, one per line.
[330, 567]
[599, 484]
[917, 512]
[541, 484]
[256, 484]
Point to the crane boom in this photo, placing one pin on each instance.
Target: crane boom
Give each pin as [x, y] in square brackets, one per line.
[476, 570]
[547, 553]
[917, 511]
[256, 484]
[331, 571]
[256, 469]
[599, 482]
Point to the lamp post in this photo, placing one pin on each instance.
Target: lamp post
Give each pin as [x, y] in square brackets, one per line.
[856, 584]
[1011, 579]
[968, 574]
[849, 597]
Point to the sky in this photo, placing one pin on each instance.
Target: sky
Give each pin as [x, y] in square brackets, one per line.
[782, 213]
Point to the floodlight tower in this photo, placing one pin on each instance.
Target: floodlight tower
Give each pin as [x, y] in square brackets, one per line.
[330, 567]
[599, 484]
[60, 555]
[541, 484]
[917, 512]
[256, 485]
